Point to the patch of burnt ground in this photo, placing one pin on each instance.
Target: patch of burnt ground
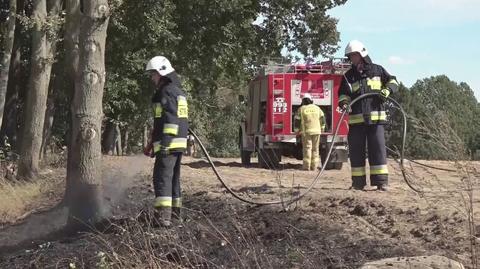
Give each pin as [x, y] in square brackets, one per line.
[218, 231]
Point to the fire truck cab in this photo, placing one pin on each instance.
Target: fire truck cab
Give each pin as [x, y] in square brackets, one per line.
[270, 125]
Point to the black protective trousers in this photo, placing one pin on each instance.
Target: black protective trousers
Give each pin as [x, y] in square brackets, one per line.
[373, 136]
[166, 180]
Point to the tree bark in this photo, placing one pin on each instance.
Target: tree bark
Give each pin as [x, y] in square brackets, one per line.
[9, 125]
[86, 203]
[36, 99]
[16, 82]
[125, 148]
[146, 136]
[108, 138]
[5, 59]
[71, 37]
[118, 140]
[47, 127]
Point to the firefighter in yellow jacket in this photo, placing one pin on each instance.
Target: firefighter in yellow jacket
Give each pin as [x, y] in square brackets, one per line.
[312, 124]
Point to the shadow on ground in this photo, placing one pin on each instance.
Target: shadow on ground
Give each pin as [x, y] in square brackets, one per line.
[205, 164]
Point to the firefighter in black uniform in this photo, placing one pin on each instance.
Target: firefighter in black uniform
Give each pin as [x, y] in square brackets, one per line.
[169, 138]
[367, 117]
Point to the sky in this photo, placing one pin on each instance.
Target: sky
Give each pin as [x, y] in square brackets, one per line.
[416, 39]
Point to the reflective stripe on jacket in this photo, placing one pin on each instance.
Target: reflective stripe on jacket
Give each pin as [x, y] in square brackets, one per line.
[170, 111]
[370, 110]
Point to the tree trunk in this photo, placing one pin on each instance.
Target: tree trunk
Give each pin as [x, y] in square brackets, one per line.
[118, 140]
[36, 99]
[125, 148]
[5, 59]
[108, 138]
[86, 203]
[47, 127]
[71, 36]
[146, 137]
[9, 125]
[16, 81]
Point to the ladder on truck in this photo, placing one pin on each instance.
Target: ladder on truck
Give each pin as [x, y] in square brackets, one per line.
[278, 91]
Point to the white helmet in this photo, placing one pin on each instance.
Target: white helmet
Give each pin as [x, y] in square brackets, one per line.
[356, 46]
[307, 96]
[161, 64]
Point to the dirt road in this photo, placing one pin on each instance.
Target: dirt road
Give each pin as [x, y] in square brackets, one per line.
[332, 227]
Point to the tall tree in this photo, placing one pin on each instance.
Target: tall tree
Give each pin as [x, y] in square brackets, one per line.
[7, 46]
[42, 57]
[71, 37]
[85, 201]
[16, 78]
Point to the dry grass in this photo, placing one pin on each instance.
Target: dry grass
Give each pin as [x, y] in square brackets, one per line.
[199, 243]
[19, 199]
[438, 129]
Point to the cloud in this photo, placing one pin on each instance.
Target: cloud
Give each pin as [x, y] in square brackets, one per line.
[399, 60]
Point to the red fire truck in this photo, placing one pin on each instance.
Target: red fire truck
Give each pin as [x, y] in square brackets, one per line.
[274, 96]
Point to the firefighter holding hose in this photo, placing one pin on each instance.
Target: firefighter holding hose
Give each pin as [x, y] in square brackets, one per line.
[367, 117]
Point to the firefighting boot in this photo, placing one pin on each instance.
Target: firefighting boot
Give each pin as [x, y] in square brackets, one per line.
[357, 188]
[358, 183]
[164, 216]
[382, 187]
[177, 215]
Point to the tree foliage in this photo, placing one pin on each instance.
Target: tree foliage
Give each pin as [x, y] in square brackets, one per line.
[442, 117]
[214, 46]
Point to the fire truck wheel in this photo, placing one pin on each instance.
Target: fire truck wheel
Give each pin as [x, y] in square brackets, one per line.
[269, 158]
[246, 157]
[330, 165]
[338, 166]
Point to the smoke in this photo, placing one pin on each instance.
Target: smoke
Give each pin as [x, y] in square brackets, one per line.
[119, 174]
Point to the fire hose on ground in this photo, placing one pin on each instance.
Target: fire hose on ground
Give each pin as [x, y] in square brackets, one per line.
[399, 158]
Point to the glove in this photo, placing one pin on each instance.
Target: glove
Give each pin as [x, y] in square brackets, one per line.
[343, 105]
[148, 150]
[384, 93]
